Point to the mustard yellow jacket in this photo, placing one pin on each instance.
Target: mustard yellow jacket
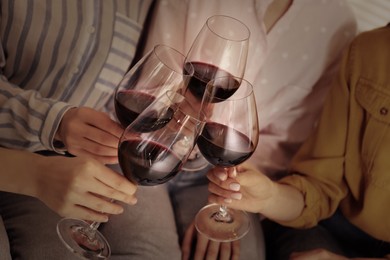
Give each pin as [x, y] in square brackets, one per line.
[346, 162]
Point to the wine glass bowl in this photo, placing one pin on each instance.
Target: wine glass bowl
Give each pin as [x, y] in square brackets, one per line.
[153, 149]
[161, 69]
[220, 49]
[229, 137]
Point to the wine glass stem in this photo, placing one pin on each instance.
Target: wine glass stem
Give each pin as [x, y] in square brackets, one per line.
[90, 232]
[223, 215]
[223, 211]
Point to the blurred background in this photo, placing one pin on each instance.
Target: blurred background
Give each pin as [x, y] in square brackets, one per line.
[371, 13]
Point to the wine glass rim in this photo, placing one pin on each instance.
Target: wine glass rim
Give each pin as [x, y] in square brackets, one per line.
[241, 81]
[232, 18]
[185, 72]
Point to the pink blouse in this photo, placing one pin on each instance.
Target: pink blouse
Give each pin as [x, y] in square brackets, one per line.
[290, 67]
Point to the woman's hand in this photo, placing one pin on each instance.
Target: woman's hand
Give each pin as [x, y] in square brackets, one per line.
[87, 132]
[246, 188]
[243, 188]
[81, 187]
[208, 249]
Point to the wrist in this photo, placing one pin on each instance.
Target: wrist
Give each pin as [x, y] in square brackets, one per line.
[285, 203]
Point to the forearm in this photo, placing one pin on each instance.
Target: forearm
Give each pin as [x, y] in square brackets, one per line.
[286, 203]
[20, 171]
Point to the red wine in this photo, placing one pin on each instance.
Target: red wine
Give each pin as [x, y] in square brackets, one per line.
[147, 163]
[129, 104]
[152, 120]
[223, 146]
[203, 73]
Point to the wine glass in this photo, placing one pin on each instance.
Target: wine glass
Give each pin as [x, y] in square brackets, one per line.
[229, 137]
[220, 49]
[161, 69]
[153, 149]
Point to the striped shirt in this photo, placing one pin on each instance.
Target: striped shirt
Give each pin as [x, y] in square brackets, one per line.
[61, 54]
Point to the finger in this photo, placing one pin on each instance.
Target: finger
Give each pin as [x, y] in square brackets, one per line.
[225, 251]
[101, 137]
[99, 204]
[232, 172]
[81, 212]
[102, 159]
[217, 175]
[212, 250]
[236, 246]
[225, 201]
[97, 135]
[116, 195]
[91, 147]
[104, 122]
[219, 178]
[83, 128]
[105, 182]
[249, 176]
[120, 186]
[226, 193]
[201, 247]
[189, 236]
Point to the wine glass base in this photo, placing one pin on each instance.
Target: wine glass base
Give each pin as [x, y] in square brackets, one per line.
[72, 234]
[218, 230]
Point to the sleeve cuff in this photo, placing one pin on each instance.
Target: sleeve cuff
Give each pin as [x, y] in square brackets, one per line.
[50, 127]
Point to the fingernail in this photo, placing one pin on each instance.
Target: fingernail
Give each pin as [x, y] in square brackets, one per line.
[221, 176]
[234, 186]
[236, 196]
[227, 200]
[234, 173]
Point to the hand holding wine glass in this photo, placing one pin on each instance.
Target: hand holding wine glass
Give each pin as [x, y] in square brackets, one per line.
[152, 150]
[158, 71]
[229, 137]
[220, 49]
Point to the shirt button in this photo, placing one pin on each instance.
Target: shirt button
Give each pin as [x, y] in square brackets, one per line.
[91, 29]
[384, 111]
[75, 70]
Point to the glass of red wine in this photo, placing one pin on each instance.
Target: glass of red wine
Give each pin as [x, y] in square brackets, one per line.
[220, 49]
[152, 150]
[229, 137]
[154, 147]
[161, 69]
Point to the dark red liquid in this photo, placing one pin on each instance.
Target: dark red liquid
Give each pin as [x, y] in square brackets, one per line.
[203, 73]
[152, 120]
[147, 163]
[129, 104]
[224, 146]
